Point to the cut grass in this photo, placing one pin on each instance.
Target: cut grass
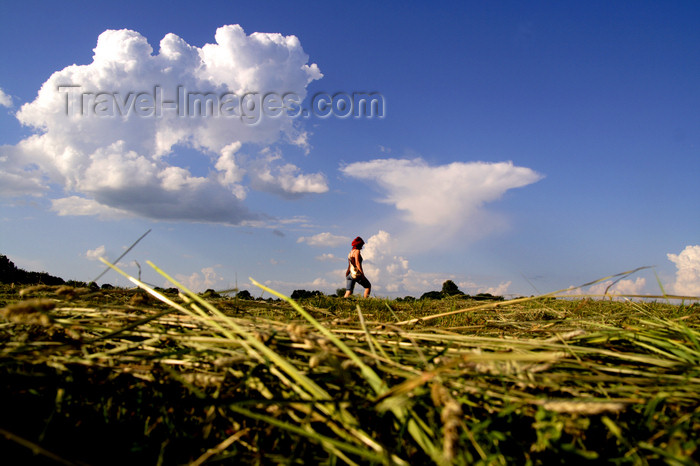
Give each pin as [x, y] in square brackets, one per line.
[185, 379]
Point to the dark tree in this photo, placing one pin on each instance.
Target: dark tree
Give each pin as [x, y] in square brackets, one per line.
[7, 269]
[449, 288]
[9, 273]
[303, 294]
[209, 293]
[244, 294]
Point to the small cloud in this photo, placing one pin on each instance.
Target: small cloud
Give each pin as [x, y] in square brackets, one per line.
[278, 233]
[499, 290]
[301, 139]
[622, 287]
[95, 254]
[324, 239]
[326, 258]
[5, 100]
[285, 180]
[687, 271]
[208, 279]
[472, 288]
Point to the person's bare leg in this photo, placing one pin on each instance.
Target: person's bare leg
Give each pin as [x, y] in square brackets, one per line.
[367, 290]
[347, 294]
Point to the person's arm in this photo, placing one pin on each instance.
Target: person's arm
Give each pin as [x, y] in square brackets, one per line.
[358, 261]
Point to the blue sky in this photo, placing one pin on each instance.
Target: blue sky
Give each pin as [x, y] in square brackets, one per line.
[523, 148]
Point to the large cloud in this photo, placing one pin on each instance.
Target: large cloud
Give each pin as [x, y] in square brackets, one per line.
[109, 132]
[440, 206]
[440, 195]
[688, 271]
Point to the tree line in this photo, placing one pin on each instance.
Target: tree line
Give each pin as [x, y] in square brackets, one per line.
[10, 273]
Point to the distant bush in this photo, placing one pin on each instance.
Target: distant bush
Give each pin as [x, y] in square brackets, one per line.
[209, 293]
[304, 294]
[76, 284]
[487, 297]
[449, 289]
[431, 295]
[244, 294]
[407, 299]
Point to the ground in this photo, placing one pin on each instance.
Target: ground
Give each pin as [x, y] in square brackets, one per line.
[109, 376]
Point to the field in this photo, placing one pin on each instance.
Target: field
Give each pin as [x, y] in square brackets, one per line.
[147, 376]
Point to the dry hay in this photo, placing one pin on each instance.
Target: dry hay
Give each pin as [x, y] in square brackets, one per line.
[103, 378]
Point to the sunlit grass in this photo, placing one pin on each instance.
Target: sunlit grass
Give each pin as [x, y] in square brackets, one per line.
[182, 378]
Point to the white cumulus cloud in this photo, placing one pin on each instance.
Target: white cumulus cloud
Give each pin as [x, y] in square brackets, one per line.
[439, 195]
[285, 180]
[687, 281]
[390, 272]
[110, 131]
[95, 254]
[441, 204]
[208, 279]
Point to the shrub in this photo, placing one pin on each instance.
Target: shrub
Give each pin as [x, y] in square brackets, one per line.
[449, 288]
[431, 295]
[209, 293]
[304, 294]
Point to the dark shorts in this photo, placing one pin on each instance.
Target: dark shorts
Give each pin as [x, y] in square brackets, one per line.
[350, 282]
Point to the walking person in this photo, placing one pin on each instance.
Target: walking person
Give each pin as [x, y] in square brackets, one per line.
[355, 273]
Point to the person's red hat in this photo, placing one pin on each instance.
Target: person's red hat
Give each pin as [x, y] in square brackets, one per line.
[357, 242]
